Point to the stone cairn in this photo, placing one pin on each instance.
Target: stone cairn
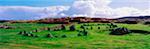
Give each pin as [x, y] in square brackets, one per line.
[120, 31]
[56, 28]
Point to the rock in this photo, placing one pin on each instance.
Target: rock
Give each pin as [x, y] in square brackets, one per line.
[72, 28]
[49, 35]
[120, 31]
[63, 27]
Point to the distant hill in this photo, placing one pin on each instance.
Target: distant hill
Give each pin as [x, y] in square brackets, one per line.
[135, 17]
[83, 19]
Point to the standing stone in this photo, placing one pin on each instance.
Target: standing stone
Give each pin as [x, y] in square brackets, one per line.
[72, 28]
[63, 27]
[49, 35]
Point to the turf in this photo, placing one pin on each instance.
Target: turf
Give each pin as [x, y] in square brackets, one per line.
[96, 39]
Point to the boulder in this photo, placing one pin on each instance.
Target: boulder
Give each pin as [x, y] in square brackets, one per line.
[120, 31]
[63, 27]
[72, 28]
[49, 35]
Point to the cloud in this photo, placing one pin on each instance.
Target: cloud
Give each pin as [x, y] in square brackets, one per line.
[87, 8]
[28, 13]
[101, 8]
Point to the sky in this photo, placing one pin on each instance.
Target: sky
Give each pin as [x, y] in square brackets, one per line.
[38, 9]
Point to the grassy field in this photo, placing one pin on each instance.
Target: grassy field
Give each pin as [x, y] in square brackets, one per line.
[96, 39]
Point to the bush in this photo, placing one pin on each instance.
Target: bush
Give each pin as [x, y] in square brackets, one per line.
[98, 27]
[48, 29]
[79, 34]
[147, 23]
[91, 28]
[20, 33]
[63, 36]
[82, 27]
[87, 28]
[55, 36]
[36, 36]
[32, 35]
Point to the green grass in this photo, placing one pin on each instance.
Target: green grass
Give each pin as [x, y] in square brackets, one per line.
[96, 39]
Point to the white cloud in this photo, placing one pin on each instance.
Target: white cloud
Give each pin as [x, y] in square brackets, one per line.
[88, 8]
[101, 8]
[25, 12]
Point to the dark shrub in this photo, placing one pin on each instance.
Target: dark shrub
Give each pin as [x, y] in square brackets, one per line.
[85, 33]
[114, 26]
[48, 29]
[131, 22]
[98, 24]
[36, 36]
[87, 28]
[79, 34]
[32, 35]
[72, 28]
[82, 27]
[98, 27]
[140, 31]
[120, 31]
[28, 34]
[91, 28]
[55, 36]
[21, 33]
[147, 23]
[63, 36]
[56, 29]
